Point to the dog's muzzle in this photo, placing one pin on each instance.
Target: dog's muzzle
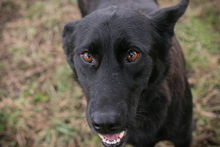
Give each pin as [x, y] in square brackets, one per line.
[108, 125]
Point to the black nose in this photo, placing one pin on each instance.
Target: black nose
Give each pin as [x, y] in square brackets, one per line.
[106, 122]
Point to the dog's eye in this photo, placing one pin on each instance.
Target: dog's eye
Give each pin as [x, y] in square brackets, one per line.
[132, 56]
[87, 56]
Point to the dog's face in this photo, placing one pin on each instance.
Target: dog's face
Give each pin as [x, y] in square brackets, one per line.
[114, 54]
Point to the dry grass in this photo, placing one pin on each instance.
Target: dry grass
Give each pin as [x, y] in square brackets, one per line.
[41, 106]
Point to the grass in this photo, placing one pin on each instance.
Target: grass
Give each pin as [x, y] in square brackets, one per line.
[200, 42]
[40, 104]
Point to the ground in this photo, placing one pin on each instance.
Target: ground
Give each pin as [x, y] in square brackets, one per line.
[40, 104]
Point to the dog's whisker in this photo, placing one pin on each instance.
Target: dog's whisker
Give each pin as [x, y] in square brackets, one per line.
[141, 111]
[142, 117]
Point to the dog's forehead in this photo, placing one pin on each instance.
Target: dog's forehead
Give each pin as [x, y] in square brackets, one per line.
[112, 13]
[114, 17]
[114, 22]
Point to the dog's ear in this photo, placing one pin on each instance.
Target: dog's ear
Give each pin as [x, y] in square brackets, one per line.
[68, 36]
[68, 43]
[165, 19]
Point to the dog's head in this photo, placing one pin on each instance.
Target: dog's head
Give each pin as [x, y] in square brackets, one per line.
[116, 55]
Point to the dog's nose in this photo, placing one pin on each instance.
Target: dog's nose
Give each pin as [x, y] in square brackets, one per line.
[106, 122]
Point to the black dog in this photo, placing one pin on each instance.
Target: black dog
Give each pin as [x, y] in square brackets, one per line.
[131, 68]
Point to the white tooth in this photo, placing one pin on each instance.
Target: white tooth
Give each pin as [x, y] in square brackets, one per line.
[104, 140]
[114, 142]
[100, 136]
[108, 142]
[121, 134]
[118, 140]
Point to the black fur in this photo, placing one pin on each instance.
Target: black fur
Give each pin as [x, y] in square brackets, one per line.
[149, 97]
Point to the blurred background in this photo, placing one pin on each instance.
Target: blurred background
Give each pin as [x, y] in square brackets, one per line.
[41, 105]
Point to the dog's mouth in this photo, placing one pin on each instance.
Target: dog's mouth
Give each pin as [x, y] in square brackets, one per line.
[114, 140]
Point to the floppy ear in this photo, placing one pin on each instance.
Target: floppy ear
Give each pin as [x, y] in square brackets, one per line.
[68, 36]
[68, 43]
[165, 19]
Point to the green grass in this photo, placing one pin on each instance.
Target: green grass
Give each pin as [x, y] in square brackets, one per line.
[200, 42]
[40, 104]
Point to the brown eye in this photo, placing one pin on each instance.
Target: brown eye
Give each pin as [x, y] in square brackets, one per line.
[132, 56]
[87, 56]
